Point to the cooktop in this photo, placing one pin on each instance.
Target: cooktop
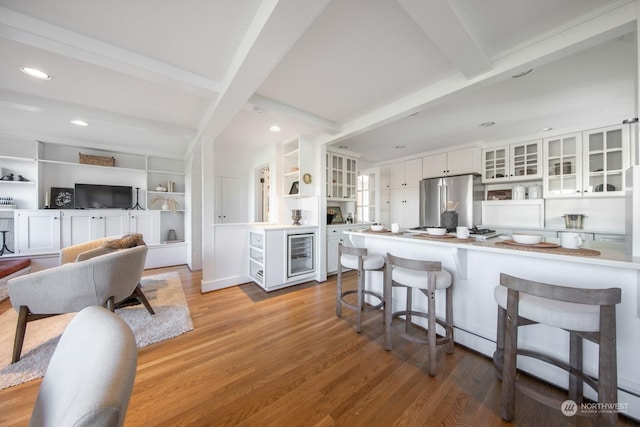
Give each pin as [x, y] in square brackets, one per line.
[475, 231]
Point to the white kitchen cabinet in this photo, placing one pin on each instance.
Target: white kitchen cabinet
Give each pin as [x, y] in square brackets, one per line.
[405, 174]
[495, 164]
[404, 207]
[525, 160]
[384, 179]
[230, 201]
[384, 184]
[587, 164]
[404, 193]
[37, 231]
[335, 234]
[79, 226]
[341, 177]
[562, 165]
[605, 159]
[147, 223]
[515, 162]
[282, 257]
[456, 162]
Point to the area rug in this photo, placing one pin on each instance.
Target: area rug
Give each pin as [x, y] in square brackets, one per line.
[172, 318]
[4, 292]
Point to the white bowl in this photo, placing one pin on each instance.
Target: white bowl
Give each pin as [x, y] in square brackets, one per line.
[527, 239]
[437, 231]
[377, 227]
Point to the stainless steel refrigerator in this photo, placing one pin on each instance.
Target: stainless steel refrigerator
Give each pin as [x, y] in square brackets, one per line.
[466, 190]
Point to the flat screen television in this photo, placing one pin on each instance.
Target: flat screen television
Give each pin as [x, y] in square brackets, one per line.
[94, 196]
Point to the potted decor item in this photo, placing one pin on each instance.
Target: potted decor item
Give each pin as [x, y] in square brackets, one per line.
[449, 217]
[168, 203]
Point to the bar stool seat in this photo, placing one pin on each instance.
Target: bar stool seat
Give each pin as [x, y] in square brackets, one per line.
[369, 262]
[360, 260]
[584, 313]
[427, 276]
[416, 279]
[561, 314]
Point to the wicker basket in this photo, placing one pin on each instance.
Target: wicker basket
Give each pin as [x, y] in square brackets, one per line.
[88, 159]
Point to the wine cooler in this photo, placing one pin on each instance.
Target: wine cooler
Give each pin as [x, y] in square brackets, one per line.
[301, 258]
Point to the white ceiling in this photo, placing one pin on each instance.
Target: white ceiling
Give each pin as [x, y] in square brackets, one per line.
[155, 75]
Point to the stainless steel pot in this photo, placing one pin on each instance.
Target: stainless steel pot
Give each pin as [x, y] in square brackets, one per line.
[574, 220]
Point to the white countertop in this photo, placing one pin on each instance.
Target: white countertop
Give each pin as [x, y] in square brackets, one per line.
[578, 230]
[273, 226]
[612, 254]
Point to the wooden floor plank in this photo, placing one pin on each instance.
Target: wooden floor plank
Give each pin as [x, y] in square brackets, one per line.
[284, 358]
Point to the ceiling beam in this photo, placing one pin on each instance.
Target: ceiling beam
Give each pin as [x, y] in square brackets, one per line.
[607, 24]
[441, 24]
[276, 27]
[43, 35]
[275, 108]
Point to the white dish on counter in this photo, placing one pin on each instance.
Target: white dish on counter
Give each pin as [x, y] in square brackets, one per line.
[377, 227]
[527, 239]
[437, 231]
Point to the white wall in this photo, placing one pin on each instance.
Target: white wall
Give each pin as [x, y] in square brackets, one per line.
[603, 214]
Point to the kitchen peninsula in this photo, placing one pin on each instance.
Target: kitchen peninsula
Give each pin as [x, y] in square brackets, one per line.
[476, 267]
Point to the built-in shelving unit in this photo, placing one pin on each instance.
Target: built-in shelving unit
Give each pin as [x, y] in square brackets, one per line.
[51, 165]
[298, 167]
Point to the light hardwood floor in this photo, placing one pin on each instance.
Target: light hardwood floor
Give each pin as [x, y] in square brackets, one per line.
[285, 359]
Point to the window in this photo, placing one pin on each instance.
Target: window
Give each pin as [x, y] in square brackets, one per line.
[366, 197]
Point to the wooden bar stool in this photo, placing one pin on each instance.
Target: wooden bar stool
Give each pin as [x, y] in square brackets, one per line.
[360, 260]
[428, 276]
[584, 313]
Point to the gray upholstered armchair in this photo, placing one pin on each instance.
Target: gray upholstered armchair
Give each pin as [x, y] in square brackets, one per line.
[102, 280]
[91, 373]
[93, 248]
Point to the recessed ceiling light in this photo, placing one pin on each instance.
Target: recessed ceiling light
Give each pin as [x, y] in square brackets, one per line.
[522, 74]
[34, 72]
[414, 114]
[275, 128]
[399, 147]
[545, 129]
[344, 147]
[486, 124]
[79, 122]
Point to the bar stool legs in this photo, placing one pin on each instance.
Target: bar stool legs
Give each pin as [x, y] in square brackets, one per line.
[359, 260]
[427, 276]
[584, 313]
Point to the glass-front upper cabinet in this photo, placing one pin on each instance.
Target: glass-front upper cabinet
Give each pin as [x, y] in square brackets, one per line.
[350, 178]
[526, 160]
[341, 177]
[337, 176]
[562, 173]
[495, 165]
[605, 160]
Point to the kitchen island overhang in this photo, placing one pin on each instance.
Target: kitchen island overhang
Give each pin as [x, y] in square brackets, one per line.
[476, 267]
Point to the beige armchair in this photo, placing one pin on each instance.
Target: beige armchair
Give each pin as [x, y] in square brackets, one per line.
[102, 280]
[105, 245]
[91, 373]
